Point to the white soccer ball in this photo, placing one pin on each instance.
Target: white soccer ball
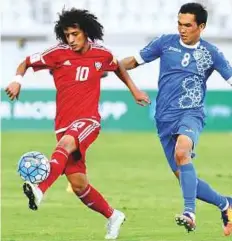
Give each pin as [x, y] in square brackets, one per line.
[33, 167]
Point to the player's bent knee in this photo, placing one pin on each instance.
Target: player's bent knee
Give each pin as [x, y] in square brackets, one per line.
[182, 156]
[79, 182]
[79, 188]
[68, 143]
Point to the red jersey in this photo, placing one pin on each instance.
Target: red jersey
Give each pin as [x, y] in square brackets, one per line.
[77, 79]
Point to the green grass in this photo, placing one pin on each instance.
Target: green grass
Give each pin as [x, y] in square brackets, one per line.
[132, 173]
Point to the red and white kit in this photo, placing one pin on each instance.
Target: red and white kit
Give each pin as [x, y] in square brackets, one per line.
[77, 80]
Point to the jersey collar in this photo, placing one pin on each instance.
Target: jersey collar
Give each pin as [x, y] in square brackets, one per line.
[189, 46]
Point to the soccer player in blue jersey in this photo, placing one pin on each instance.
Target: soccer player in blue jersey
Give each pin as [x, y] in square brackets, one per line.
[186, 62]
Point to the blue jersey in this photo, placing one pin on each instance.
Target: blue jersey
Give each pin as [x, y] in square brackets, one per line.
[184, 71]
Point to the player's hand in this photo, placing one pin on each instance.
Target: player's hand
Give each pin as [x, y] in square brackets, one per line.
[142, 98]
[13, 90]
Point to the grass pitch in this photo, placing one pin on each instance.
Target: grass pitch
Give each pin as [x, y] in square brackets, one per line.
[130, 170]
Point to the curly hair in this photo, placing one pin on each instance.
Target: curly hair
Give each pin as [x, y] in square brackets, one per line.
[82, 19]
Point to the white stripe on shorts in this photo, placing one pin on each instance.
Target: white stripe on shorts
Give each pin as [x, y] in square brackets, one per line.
[84, 131]
[65, 128]
[88, 132]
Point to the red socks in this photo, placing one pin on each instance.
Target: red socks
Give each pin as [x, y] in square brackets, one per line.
[94, 200]
[90, 197]
[58, 162]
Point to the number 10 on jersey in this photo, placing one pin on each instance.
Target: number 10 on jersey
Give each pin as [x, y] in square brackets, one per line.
[82, 73]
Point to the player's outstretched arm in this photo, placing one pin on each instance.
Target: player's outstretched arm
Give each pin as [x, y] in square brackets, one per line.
[13, 89]
[129, 63]
[141, 98]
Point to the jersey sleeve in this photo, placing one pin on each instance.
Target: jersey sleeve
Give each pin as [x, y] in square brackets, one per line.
[110, 63]
[150, 52]
[222, 65]
[44, 60]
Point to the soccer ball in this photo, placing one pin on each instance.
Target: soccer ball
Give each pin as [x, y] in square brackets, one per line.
[33, 167]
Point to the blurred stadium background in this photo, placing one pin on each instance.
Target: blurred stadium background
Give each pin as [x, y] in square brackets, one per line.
[126, 162]
[129, 25]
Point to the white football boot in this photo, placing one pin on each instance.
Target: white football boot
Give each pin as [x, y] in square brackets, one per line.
[114, 224]
[34, 194]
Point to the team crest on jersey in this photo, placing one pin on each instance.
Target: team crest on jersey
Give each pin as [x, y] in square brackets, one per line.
[198, 54]
[98, 65]
[203, 60]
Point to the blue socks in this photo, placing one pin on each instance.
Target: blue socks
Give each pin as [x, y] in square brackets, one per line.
[207, 194]
[188, 181]
[193, 187]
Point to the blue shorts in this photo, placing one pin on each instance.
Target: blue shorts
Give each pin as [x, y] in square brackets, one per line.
[190, 126]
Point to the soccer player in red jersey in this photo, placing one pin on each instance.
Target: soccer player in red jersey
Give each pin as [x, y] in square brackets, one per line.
[77, 64]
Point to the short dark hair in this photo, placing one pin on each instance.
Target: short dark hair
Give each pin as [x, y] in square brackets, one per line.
[82, 19]
[197, 9]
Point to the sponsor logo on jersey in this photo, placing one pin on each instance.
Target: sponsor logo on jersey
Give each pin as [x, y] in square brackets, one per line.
[198, 54]
[189, 130]
[174, 49]
[98, 65]
[67, 62]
